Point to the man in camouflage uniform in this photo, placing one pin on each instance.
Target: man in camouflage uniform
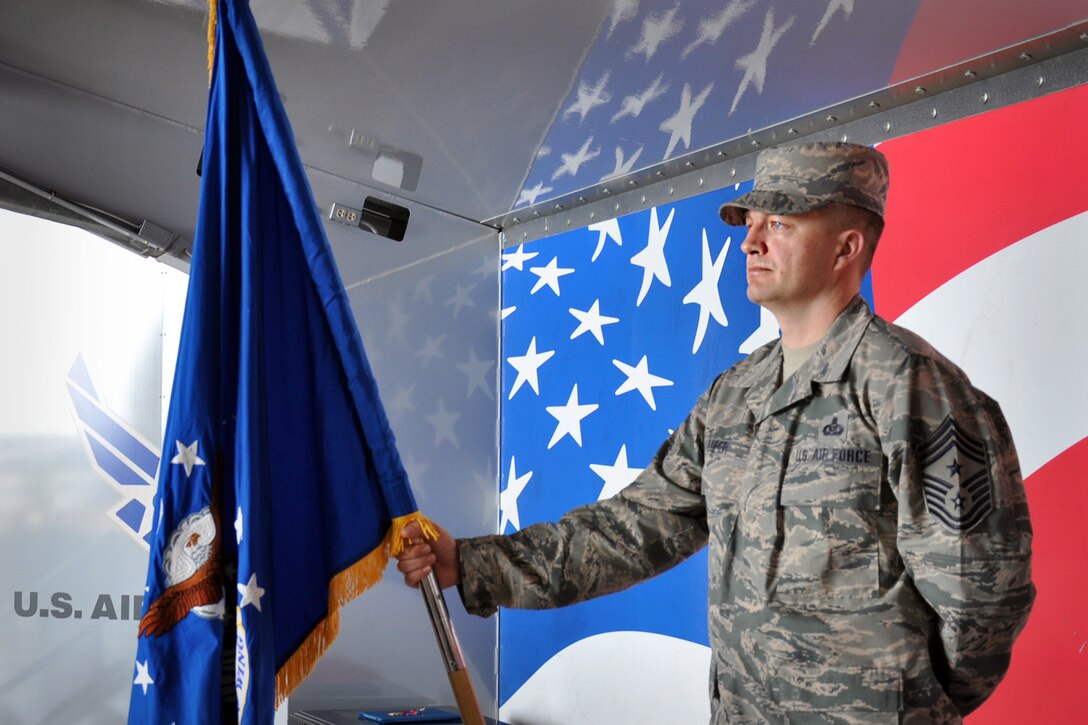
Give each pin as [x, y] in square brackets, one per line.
[870, 547]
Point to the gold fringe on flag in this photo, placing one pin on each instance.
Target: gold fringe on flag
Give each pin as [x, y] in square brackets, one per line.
[213, 6]
[344, 587]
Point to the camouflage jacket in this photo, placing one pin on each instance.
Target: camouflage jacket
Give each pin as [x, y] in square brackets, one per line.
[870, 546]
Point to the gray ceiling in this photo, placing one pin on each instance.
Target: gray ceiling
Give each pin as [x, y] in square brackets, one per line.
[103, 101]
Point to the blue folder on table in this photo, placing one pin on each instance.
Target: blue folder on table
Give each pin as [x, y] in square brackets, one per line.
[415, 715]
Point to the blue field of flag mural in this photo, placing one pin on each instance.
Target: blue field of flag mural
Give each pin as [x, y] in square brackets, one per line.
[666, 78]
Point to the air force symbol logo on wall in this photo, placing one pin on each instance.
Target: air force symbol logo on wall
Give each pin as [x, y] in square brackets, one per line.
[127, 461]
[956, 476]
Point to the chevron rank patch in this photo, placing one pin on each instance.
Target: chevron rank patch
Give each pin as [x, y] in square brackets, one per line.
[956, 476]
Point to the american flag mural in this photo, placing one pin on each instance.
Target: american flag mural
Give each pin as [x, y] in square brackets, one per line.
[611, 332]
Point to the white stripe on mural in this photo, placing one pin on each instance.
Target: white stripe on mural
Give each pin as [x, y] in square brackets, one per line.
[1015, 322]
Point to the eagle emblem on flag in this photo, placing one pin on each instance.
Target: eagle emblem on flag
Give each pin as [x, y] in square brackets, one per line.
[194, 578]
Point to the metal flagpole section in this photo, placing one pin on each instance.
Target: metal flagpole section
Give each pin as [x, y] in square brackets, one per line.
[451, 651]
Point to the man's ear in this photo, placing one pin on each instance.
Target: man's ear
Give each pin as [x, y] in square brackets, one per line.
[851, 248]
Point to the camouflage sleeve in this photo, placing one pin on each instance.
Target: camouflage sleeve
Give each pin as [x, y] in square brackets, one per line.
[964, 533]
[649, 527]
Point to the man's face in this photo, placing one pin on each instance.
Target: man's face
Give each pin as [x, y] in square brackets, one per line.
[790, 258]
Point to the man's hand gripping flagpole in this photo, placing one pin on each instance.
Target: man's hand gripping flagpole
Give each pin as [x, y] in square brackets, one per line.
[429, 561]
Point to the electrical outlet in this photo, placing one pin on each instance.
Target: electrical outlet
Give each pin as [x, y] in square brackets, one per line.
[345, 215]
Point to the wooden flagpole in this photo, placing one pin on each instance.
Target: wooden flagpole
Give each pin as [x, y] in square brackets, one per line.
[467, 703]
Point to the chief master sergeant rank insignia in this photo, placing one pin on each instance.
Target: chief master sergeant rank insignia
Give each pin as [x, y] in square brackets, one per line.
[957, 477]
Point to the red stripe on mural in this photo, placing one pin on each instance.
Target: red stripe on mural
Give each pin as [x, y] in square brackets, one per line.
[963, 191]
[1046, 682]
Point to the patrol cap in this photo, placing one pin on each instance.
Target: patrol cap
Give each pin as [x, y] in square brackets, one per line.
[802, 177]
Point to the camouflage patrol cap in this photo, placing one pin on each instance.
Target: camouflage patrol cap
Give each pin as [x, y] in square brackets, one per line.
[802, 177]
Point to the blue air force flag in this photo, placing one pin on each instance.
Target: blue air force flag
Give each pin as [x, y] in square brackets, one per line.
[280, 489]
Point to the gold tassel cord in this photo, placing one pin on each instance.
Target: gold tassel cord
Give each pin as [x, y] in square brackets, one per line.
[396, 545]
[344, 587]
[212, 19]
